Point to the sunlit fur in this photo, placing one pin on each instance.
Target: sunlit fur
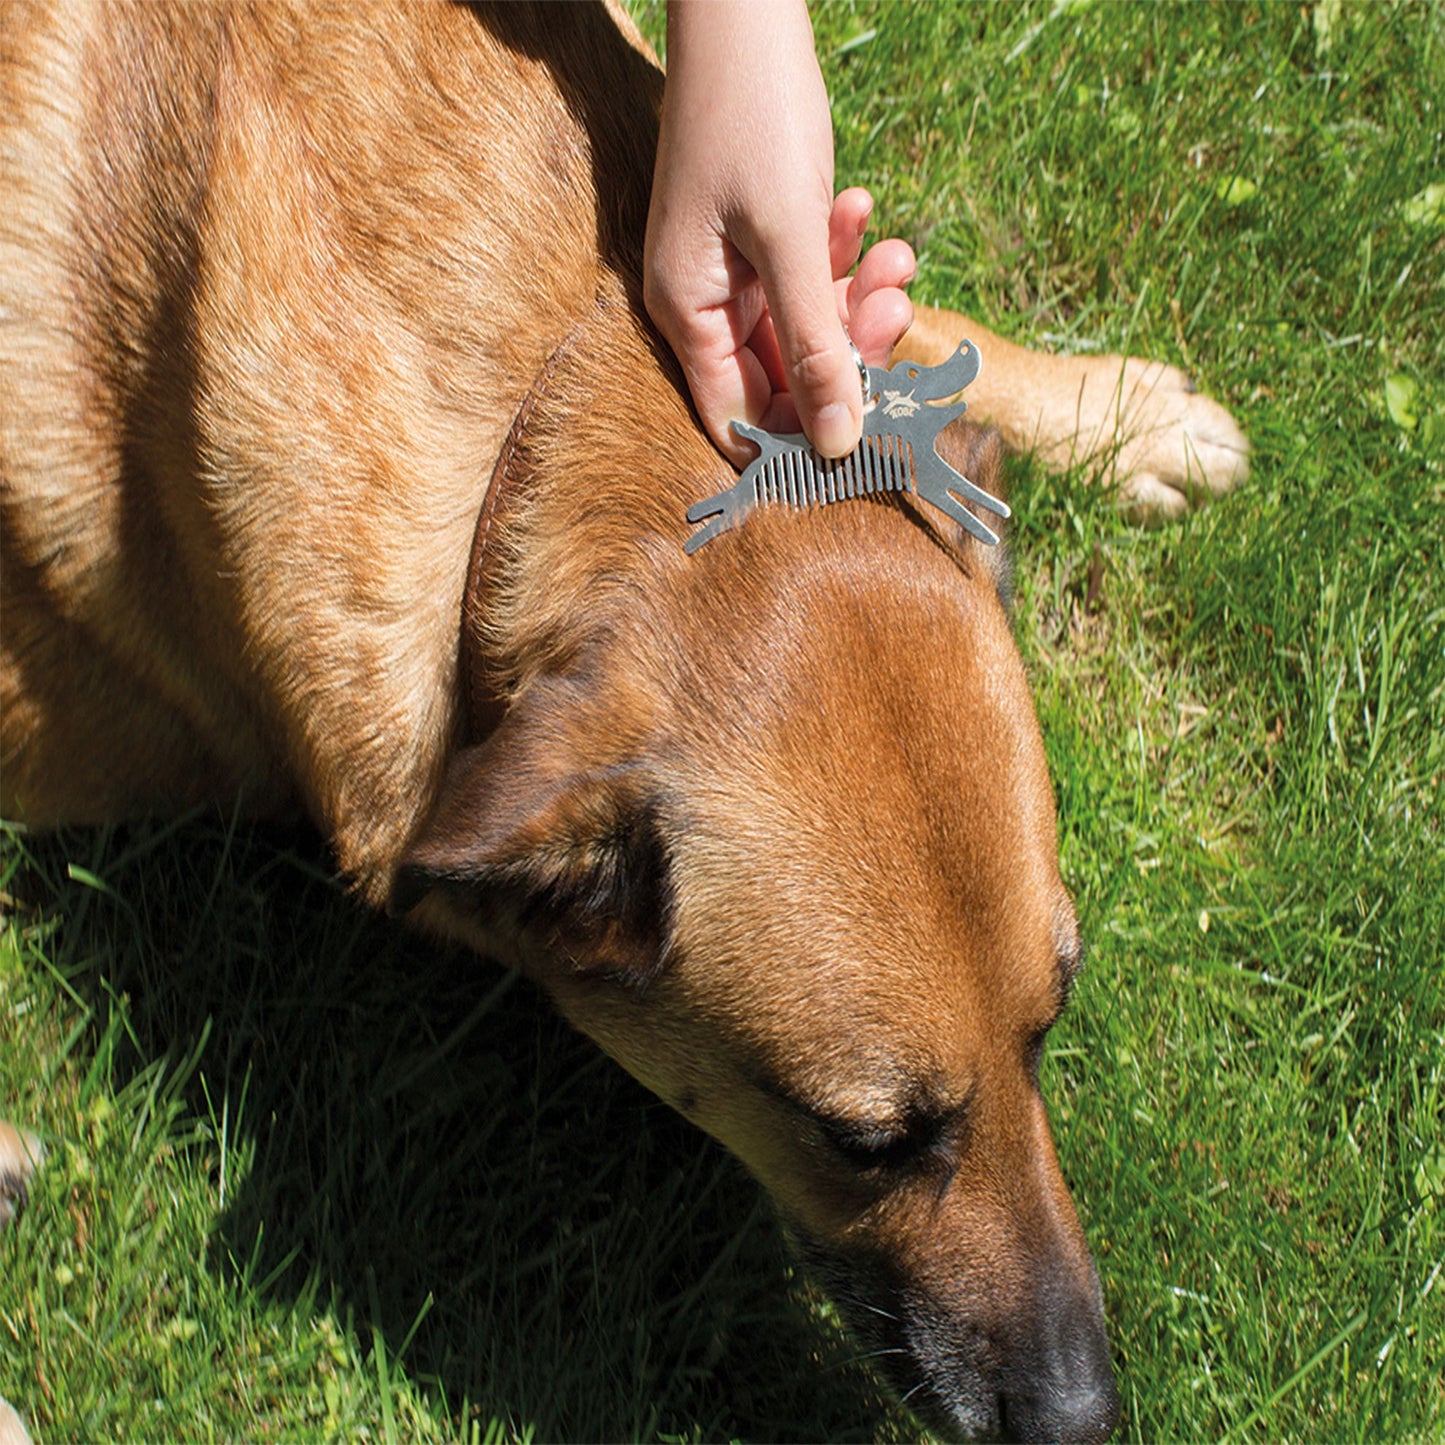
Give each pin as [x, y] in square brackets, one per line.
[771, 823]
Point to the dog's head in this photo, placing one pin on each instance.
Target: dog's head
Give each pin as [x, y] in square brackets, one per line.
[782, 841]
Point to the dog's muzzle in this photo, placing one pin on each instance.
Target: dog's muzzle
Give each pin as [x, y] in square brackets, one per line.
[1035, 1368]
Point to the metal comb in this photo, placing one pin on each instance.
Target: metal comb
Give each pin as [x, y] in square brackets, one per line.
[901, 423]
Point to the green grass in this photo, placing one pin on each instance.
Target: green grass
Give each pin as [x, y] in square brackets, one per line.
[310, 1179]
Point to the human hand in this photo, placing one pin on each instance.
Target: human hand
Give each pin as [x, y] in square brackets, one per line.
[748, 252]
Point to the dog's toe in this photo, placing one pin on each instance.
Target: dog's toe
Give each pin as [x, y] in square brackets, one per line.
[1149, 500]
[20, 1156]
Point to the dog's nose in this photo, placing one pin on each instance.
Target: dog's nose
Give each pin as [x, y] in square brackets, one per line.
[1070, 1394]
[1083, 1415]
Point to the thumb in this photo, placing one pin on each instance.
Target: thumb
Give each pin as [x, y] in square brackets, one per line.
[817, 360]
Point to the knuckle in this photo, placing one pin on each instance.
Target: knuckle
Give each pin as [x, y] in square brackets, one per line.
[814, 368]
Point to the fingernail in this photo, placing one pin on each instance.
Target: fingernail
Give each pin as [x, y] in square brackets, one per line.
[835, 433]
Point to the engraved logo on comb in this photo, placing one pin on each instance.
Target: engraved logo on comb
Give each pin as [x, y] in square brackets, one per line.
[895, 404]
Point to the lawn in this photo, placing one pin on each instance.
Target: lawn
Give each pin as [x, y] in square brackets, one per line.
[312, 1179]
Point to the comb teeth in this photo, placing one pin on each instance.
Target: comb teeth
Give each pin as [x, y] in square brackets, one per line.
[803, 479]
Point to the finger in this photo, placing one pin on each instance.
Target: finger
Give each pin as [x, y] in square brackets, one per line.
[846, 225]
[781, 417]
[728, 389]
[763, 343]
[710, 337]
[875, 309]
[877, 322]
[886, 263]
[822, 377]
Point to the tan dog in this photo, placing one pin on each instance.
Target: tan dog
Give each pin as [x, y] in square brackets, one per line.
[287, 303]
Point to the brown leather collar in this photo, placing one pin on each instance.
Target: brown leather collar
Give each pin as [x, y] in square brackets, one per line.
[484, 704]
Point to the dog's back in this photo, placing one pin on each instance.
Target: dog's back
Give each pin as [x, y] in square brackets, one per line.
[271, 286]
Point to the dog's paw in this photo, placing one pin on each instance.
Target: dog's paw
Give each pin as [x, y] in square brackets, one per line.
[1144, 430]
[12, 1428]
[20, 1156]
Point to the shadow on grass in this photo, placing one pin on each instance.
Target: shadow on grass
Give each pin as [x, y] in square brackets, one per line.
[416, 1138]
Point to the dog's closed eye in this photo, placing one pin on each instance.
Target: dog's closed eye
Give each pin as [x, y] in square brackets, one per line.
[868, 1146]
[931, 1137]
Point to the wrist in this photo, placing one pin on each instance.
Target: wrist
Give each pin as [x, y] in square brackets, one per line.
[725, 38]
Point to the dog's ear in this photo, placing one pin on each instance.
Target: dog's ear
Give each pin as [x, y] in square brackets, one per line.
[545, 849]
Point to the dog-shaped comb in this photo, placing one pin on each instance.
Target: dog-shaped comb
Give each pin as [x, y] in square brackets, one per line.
[901, 423]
